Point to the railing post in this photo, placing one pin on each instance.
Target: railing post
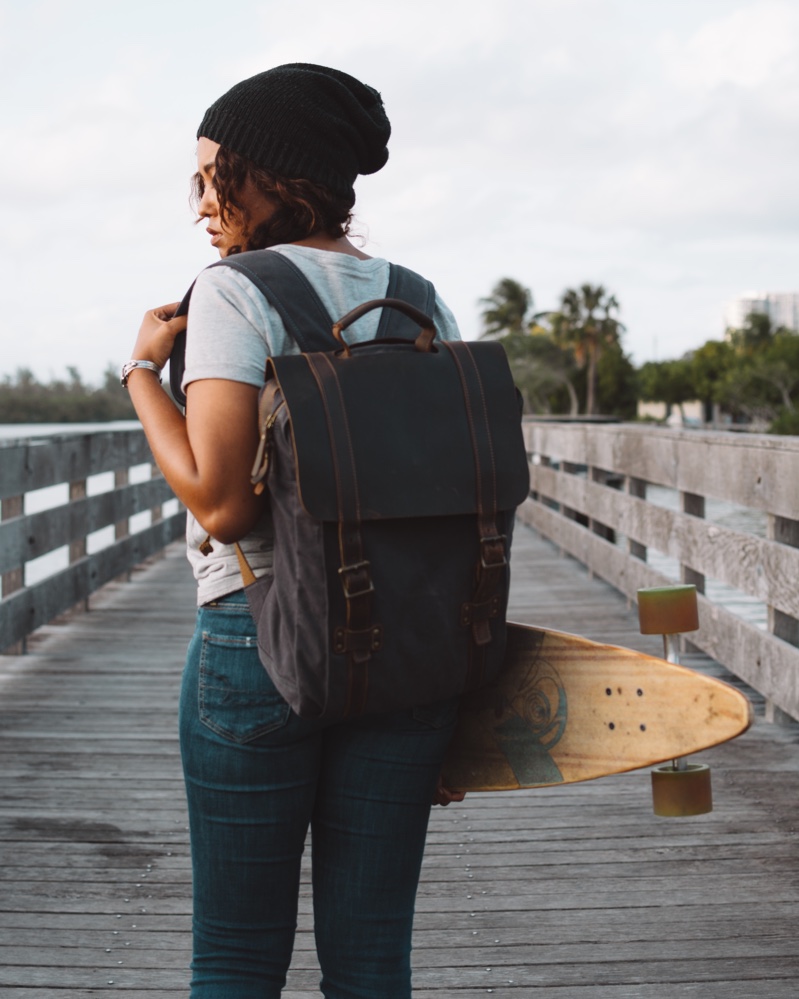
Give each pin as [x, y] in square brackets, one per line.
[601, 530]
[637, 488]
[695, 505]
[545, 461]
[600, 476]
[156, 513]
[14, 579]
[569, 468]
[786, 532]
[155, 473]
[122, 527]
[77, 547]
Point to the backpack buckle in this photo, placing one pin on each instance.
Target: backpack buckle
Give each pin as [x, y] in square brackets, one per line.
[356, 579]
[492, 551]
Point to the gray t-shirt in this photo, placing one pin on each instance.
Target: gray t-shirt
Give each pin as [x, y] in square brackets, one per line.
[232, 330]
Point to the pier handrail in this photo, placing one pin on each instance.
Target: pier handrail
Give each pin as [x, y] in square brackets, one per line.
[69, 459]
[589, 485]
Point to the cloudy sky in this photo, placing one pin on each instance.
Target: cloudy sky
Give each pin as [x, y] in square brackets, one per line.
[648, 145]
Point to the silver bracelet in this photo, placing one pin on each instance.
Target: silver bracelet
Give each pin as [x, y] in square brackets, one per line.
[129, 366]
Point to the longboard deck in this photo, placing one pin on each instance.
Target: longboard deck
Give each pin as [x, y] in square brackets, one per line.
[567, 709]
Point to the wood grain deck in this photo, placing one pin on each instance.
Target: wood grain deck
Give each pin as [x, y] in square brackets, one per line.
[571, 893]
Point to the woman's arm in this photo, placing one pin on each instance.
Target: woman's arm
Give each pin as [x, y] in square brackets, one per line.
[205, 457]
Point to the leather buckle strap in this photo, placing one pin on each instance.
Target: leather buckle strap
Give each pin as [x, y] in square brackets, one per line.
[492, 551]
[361, 637]
[491, 568]
[356, 579]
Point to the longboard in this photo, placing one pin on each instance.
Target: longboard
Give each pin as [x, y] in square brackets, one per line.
[567, 709]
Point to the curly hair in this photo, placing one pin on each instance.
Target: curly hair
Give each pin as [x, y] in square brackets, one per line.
[304, 208]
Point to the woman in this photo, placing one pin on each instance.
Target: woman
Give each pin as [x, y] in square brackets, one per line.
[277, 157]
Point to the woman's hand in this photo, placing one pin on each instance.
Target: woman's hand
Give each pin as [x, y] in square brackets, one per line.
[444, 796]
[157, 334]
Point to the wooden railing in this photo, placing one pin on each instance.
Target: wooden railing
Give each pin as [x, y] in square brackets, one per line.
[69, 461]
[589, 495]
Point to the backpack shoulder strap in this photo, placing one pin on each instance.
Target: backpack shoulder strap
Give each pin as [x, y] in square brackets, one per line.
[304, 316]
[410, 287]
[286, 289]
[290, 293]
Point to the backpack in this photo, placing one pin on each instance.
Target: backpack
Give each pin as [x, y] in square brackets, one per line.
[393, 469]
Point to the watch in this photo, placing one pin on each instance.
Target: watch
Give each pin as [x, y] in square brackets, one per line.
[129, 366]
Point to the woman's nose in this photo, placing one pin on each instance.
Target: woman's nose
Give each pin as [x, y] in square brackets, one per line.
[208, 203]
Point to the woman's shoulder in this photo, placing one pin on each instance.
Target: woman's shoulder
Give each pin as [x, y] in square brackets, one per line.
[340, 280]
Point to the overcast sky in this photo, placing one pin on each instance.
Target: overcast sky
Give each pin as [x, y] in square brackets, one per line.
[648, 145]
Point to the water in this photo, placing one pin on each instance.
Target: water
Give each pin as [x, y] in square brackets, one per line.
[27, 431]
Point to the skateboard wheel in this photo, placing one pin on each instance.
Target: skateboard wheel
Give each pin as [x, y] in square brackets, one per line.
[667, 610]
[679, 793]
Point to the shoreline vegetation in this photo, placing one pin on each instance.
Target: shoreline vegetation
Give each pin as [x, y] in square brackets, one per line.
[24, 399]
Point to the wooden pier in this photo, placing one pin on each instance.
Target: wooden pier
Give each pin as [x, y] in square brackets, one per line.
[572, 893]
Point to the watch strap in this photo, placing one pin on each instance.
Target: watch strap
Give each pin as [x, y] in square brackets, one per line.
[129, 366]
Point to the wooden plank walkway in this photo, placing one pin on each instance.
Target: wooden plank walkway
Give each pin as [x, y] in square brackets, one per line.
[572, 893]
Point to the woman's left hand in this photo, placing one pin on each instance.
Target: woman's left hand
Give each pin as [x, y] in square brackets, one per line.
[444, 795]
[157, 334]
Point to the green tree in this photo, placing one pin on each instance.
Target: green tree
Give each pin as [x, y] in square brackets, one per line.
[543, 372]
[506, 309]
[670, 382]
[586, 323]
[763, 384]
[708, 366]
[617, 384]
[753, 374]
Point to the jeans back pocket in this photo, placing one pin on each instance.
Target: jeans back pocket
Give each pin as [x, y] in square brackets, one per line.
[237, 699]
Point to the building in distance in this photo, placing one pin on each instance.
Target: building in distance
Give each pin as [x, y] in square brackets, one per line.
[782, 308]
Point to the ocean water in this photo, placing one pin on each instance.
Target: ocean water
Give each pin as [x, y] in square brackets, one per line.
[28, 431]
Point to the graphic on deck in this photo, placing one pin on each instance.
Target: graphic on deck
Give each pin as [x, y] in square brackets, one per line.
[533, 720]
[512, 725]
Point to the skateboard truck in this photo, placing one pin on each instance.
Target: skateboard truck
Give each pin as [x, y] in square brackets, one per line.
[679, 788]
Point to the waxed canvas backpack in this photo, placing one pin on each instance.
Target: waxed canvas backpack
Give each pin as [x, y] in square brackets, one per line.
[393, 469]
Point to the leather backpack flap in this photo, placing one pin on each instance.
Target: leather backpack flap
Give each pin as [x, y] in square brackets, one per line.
[409, 433]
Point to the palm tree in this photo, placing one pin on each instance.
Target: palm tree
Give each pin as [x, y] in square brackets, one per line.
[585, 323]
[539, 365]
[506, 309]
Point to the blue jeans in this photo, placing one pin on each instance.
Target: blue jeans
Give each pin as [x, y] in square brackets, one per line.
[256, 777]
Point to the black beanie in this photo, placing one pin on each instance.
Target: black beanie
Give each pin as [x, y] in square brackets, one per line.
[301, 120]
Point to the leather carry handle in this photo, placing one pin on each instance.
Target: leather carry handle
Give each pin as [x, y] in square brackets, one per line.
[424, 340]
